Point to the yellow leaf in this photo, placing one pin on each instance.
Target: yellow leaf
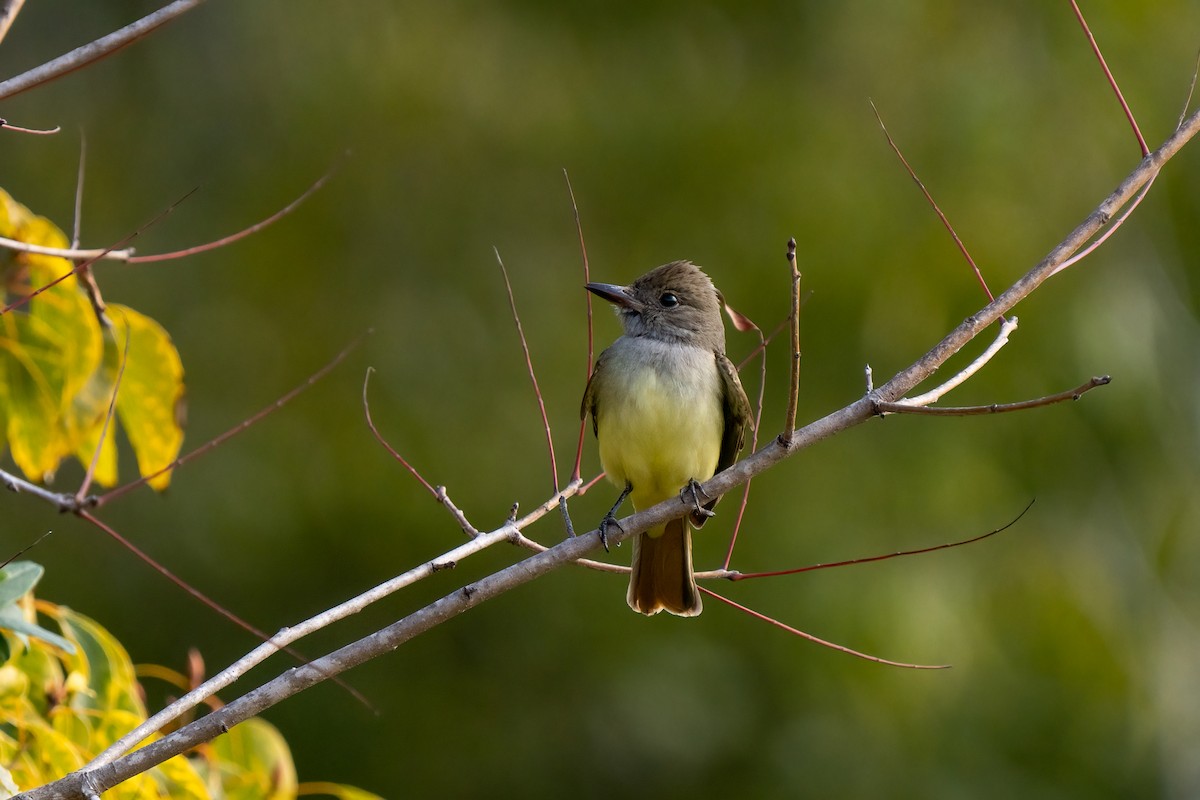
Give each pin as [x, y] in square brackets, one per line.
[255, 763]
[50, 348]
[150, 400]
[338, 790]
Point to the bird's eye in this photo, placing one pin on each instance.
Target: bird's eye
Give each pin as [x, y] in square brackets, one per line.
[668, 300]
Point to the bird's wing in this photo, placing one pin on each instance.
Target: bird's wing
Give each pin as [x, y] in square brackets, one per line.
[591, 395]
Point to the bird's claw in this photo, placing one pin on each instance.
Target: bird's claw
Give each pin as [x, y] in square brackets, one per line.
[692, 492]
[609, 519]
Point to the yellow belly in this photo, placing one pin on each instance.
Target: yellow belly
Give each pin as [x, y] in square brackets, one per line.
[659, 429]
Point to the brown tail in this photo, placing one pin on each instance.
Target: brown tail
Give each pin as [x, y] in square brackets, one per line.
[662, 572]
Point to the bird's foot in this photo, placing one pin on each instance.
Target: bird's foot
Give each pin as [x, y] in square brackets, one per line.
[609, 519]
[691, 493]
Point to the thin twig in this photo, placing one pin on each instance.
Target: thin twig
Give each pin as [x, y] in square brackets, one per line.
[817, 640]
[86, 484]
[933, 395]
[512, 305]
[587, 367]
[962, 248]
[94, 51]
[108, 497]
[242, 234]
[8, 126]
[789, 422]
[77, 222]
[213, 605]
[290, 634]
[1110, 230]
[87, 275]
[1187, 101]
[995, 408]
[128, 255]
[379, 438]
[86, 264]
[742, 576]
[758, 406]
[1112, 81]
[25, 549]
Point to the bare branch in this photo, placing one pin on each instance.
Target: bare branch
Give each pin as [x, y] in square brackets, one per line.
[82, 56]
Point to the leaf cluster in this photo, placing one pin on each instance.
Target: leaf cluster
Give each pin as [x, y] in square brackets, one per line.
[66, 696]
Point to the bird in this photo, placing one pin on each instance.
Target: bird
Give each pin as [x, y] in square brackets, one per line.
[668, 412]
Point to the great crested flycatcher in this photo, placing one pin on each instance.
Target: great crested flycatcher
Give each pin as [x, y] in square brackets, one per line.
[669, 411]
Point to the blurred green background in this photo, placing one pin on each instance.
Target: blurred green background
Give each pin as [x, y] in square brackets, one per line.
[709, 131]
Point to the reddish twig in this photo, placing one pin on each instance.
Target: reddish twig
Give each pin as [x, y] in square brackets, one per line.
[587, 368]
[437, 492]
[1112, 227]
[512, 305]
[108, 497]
[1112, 81]
[995, 408]
[962, 248]
[213, 605]
[242, 234]
[379, 438]
[744, 323]
[741, 576]
[817, 640]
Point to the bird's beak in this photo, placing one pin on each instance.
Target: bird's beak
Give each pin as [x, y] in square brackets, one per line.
[617, 295]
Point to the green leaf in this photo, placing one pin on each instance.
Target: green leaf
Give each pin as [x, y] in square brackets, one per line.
[18, 578]
[11, 618]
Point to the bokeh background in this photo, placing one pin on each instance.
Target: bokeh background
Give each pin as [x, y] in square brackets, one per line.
[710, 131]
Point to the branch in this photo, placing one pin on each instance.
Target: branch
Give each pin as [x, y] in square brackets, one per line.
[82, 56]
[570, 550]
